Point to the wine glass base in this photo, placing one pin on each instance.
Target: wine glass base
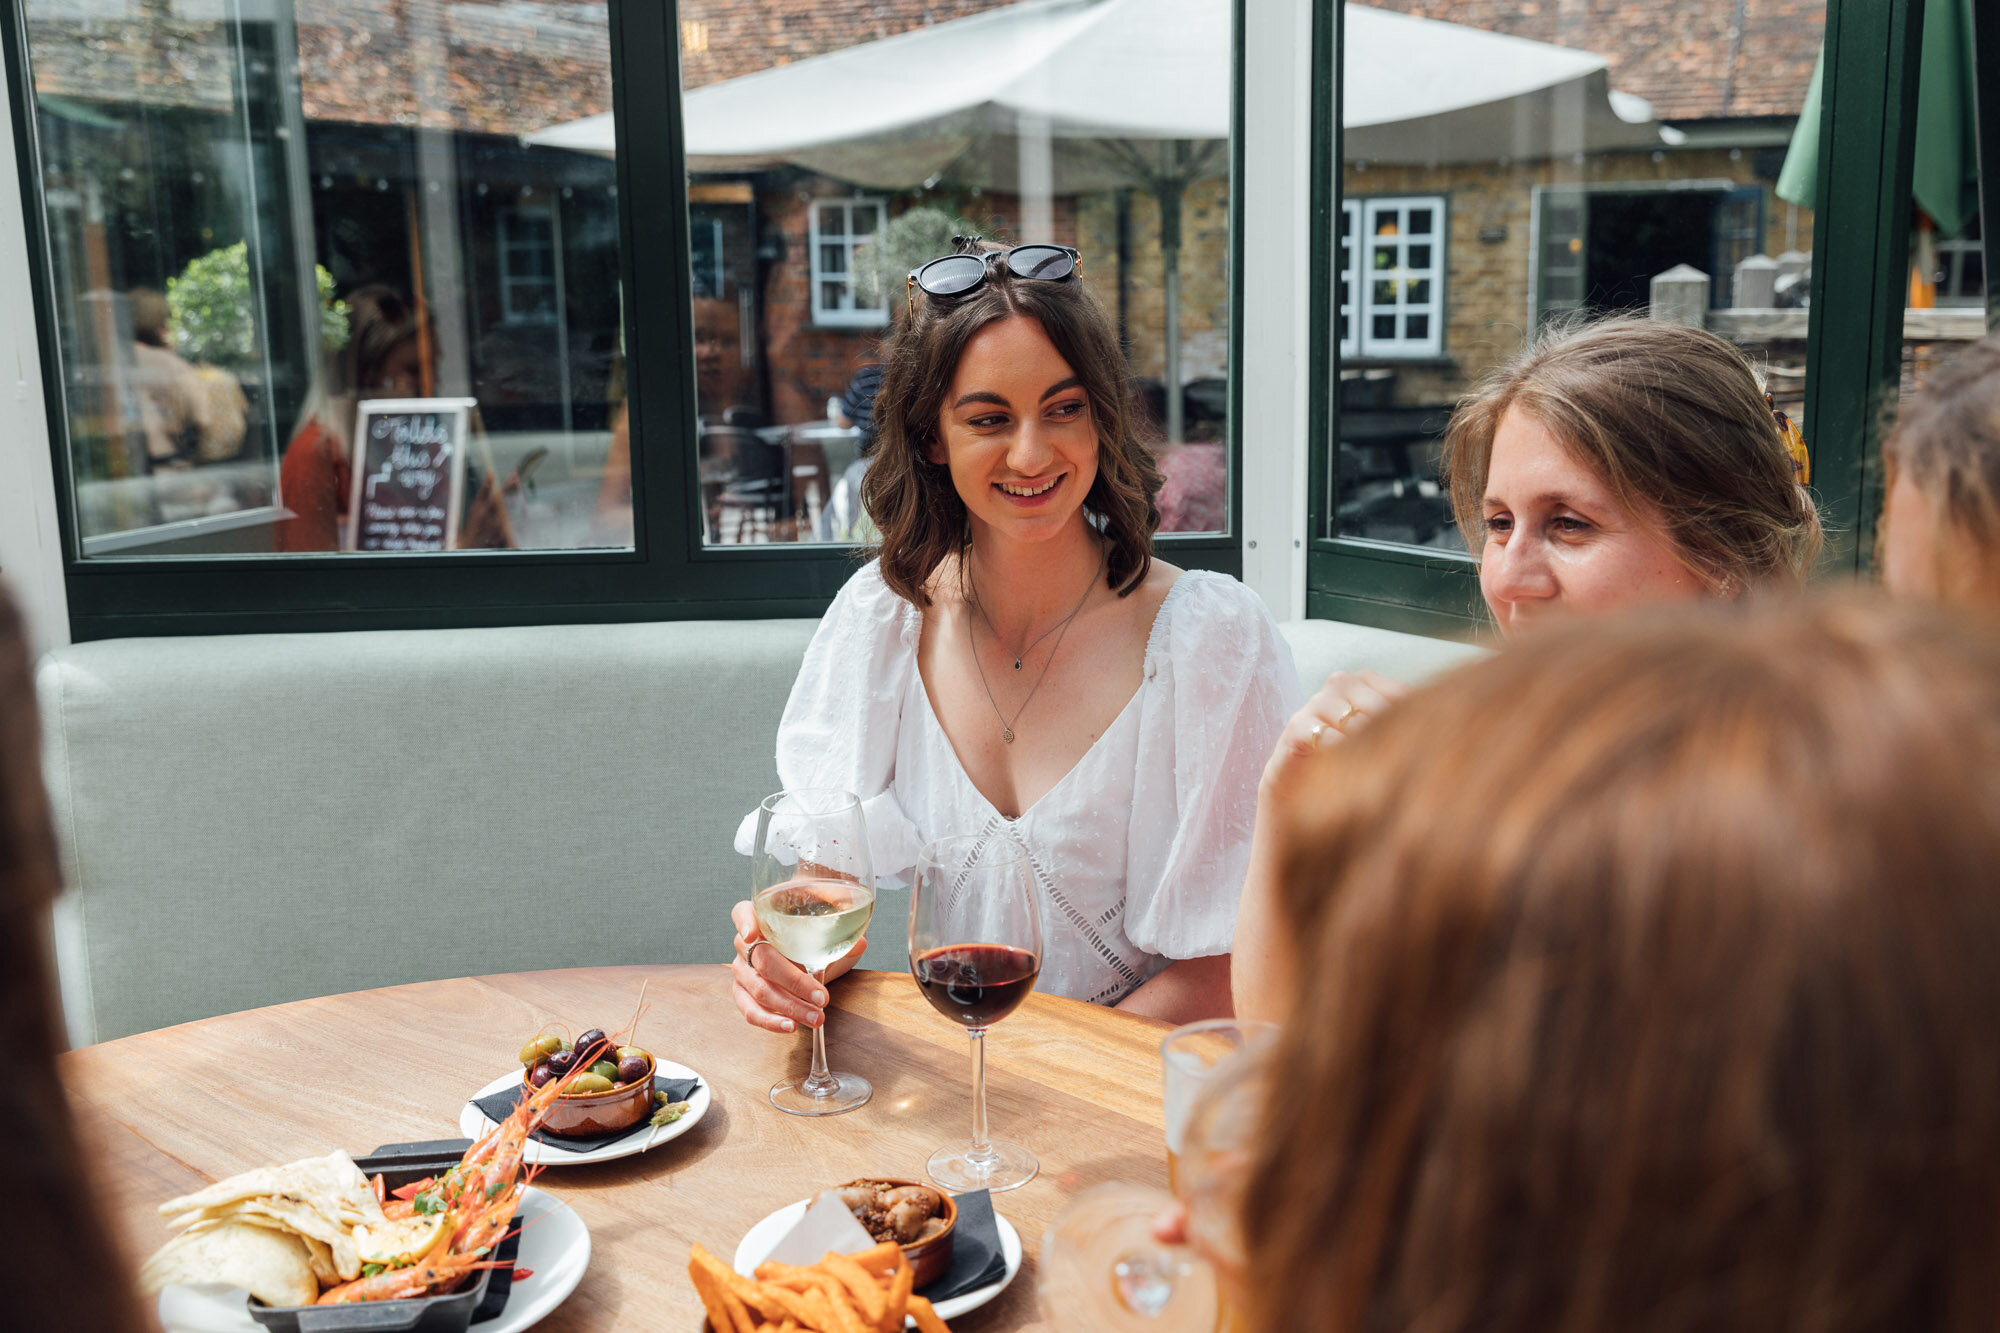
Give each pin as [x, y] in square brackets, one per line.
[1006, 1166]
[848, 1091]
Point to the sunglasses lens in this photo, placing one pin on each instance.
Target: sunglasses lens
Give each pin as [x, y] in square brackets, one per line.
[953, 275]
[1049, 263]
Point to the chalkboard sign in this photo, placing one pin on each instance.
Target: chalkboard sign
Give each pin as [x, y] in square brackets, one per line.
[409, 474]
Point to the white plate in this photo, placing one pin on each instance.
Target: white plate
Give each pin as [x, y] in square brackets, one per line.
[555, 1249]
[473, 1122]
[761, 1239]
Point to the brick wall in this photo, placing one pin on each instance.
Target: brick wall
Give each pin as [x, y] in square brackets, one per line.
[1487, 291]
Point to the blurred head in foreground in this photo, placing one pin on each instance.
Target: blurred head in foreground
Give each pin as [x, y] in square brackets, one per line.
[1941, 522]
[1620, 462]
[53, 1235]
[1647, 977]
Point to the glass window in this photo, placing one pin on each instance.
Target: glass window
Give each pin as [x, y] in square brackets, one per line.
[269, 222]
[836, 158]
[1546, 167]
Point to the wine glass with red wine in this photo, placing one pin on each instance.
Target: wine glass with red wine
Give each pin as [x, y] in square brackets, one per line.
[975, 950]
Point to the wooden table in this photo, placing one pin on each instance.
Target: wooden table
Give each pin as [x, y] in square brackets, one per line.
[168, 1112]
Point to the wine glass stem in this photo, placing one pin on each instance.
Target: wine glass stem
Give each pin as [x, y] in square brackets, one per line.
[820, 1082]
[981, 1151]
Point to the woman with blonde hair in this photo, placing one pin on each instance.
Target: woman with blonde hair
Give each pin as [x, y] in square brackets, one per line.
[1613, 464]
[1642, 978]
[54, 1234]
[1941, 522]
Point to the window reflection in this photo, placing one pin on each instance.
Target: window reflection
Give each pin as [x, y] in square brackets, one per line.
[263, 215]
[1547, 166]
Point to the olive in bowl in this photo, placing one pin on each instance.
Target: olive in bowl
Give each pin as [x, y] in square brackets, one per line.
[615, 1092]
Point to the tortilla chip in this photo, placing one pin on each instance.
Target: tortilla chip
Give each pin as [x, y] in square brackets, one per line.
[270, 1265]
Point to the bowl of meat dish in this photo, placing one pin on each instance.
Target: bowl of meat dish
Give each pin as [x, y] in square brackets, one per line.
[917, 1217]
[614, 1093]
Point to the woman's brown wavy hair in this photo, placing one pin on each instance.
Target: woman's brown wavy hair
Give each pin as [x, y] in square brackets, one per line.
[913, 501]
[1673, 421]
[74, 1275]
[1647, 982]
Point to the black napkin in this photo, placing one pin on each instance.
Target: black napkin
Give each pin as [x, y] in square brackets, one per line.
[502, 1284]
[976, 1257]
[502, 1103]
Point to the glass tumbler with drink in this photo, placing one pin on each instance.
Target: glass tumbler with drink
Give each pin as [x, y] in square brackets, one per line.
[813, 890]
[1102, 1267]
[975, 950]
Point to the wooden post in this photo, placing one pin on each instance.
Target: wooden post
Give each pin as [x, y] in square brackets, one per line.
[1756, 283]
[1680, 296]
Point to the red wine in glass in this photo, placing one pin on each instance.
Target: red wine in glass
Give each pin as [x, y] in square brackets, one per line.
[975, 984]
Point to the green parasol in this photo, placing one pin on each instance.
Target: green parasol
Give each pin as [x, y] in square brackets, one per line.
[1945, 178]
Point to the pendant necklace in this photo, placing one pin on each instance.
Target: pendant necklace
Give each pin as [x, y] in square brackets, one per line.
[1007, 726]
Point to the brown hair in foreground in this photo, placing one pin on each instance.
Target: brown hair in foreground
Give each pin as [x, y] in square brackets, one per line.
[912, 500]
[1947, 442]
[1672, 419]
[1648, 974]
[70, 1274]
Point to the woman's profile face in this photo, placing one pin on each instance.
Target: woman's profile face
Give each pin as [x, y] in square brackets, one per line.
[400, 375]
[1909, 555]
[1017, 433]
[1559, 541]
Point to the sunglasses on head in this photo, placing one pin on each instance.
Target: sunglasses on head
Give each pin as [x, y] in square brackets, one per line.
[955, 275]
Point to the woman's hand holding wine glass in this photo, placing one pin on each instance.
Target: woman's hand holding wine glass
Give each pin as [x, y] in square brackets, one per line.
[773, 992]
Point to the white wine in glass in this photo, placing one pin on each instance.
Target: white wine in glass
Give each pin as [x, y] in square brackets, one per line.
[813, 891]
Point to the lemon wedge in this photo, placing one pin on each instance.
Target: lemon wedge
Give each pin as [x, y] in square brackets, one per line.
[403, 1241]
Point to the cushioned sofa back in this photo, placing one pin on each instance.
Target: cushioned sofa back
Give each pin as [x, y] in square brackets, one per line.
[252, 819]
[259, 818]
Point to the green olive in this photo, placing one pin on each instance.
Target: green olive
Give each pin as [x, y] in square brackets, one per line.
[606, 1070]
[540, 1049]
[592, 1082]
[627, 1052]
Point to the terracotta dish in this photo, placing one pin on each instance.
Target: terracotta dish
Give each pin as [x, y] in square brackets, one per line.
[929, 1257]
[578, 1113]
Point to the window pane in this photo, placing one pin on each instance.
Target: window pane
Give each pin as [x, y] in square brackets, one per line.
[267, 220]
[844, 194]
[1538, 165]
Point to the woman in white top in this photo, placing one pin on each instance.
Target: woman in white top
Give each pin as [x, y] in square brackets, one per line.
[1017, 662]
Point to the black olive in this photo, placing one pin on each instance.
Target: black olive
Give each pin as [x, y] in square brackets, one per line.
[559, 1063]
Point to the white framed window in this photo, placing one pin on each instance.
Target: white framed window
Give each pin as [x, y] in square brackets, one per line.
[1961, 269]
[838, 227]
[529, 276]
[1391, 256]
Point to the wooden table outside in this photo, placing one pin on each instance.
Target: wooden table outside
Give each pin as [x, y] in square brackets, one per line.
[168, 1112]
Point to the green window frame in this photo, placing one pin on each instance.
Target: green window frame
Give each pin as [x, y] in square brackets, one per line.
[669, 574]
[1860, 243]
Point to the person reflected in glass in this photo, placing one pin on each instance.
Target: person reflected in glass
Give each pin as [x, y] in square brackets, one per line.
[1614, 464]
[191, 414]
[1642, 977]
[1017, 661]
[382, 358]
[1940, 536]
[72, 1273]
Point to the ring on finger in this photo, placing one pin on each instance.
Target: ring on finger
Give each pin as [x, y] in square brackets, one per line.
[1312, 737]
[1340, 723]
[750, 954]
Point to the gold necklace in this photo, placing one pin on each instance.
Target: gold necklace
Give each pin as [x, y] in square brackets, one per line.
[1006, 726]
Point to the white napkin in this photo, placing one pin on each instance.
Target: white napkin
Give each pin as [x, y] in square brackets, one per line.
[826, 1226]
[208, 1307]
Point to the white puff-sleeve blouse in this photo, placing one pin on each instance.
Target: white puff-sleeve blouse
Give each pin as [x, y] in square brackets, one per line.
[1139, 852]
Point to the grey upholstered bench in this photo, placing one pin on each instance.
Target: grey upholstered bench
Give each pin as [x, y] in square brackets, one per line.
[252, 819]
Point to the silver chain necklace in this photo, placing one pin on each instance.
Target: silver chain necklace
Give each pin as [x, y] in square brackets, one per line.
[1007, 726]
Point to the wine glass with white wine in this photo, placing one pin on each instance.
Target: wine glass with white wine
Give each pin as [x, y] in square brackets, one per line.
[813, 890]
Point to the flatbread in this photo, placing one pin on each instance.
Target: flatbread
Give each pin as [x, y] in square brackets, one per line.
[333, 1184]
[274, 1267]
[290, 1215]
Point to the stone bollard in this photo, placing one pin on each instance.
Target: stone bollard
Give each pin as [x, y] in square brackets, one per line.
[1756, 283]
[1680, 296]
